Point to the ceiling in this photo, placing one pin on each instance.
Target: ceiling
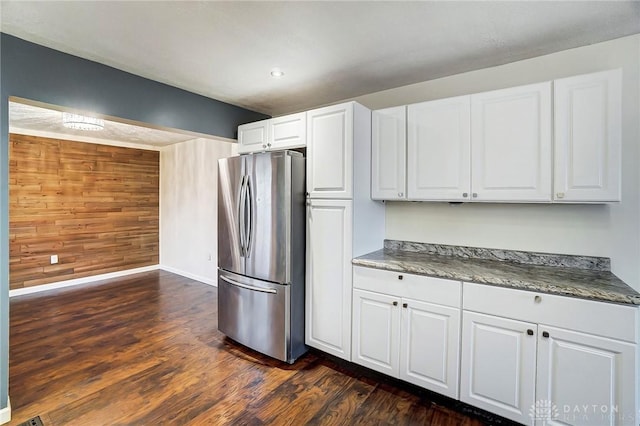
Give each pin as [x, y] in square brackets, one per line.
[329, 51]
[24, 118]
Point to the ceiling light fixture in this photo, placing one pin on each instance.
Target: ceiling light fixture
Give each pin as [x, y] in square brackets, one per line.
[276, 73]
[81, 122]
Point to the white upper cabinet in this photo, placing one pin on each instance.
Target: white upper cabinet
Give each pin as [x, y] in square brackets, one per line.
[253, 137]
[289, 131]
[388, 154]
[330, 152]
[284, 132]
[587, 137]
[511, 148]
[438, 150]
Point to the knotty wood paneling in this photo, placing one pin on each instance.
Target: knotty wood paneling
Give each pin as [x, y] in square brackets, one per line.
[95, 206]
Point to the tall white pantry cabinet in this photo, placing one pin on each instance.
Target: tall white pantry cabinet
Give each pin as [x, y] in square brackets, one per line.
[338, 192]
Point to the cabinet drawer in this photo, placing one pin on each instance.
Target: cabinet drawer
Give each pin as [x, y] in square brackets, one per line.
[400, 284]
[589, 316]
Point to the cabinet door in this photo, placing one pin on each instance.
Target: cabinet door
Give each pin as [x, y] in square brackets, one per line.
[289, 131]
[330, 152]
[376, 331]
[584, 379]
[328, 282]
[253, 137]
[587, 137]
[511, 144]
[429, 346]
[498, 365]
[438, 150]
[388, 154]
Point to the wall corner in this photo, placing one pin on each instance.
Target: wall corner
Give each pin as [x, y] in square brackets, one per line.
[5, 413]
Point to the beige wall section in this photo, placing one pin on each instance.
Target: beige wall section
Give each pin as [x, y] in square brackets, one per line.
[188, 207]
[601, 230]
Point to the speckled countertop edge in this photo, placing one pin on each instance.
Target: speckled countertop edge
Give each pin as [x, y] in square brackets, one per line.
[565, 281]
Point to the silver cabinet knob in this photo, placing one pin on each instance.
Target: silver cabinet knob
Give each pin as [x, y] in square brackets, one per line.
[465, 194]
[559, 194]
[264, 145]
[537, 299]
[475, 195]
[269, 144]
[400, 194]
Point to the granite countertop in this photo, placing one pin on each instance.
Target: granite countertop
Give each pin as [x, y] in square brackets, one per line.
[587, 278]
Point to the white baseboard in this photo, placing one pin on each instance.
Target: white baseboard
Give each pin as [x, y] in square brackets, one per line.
[78, 281]
[5, 413]
[205, 280]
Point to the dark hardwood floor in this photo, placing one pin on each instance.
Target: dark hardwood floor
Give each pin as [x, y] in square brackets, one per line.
[145, 350]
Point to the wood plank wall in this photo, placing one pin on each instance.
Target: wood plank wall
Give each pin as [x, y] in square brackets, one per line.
[95, 206]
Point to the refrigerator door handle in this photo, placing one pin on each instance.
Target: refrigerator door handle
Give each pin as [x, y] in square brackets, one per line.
[248, 287]
[242, 215]
[249, 232]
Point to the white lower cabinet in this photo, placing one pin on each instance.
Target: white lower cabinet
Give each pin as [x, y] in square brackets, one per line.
[402, 328]
[581, 370]
[429, 346]
[534, 358]
[328, 280]
[590, 380]
[376, 331]
[498, 365]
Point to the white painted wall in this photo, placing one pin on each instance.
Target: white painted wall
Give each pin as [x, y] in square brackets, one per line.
[189, 209]
[601, 230]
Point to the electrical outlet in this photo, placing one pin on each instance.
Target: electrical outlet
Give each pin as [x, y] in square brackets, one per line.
[54, 259]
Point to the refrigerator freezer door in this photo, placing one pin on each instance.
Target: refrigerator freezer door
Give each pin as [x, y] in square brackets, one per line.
[255, 313]
[230, 176]
[269, 232]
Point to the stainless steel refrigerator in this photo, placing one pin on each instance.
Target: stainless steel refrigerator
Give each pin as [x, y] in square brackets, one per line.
[261, 252]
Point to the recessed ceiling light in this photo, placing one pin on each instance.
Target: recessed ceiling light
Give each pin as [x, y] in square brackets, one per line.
[276, 73]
